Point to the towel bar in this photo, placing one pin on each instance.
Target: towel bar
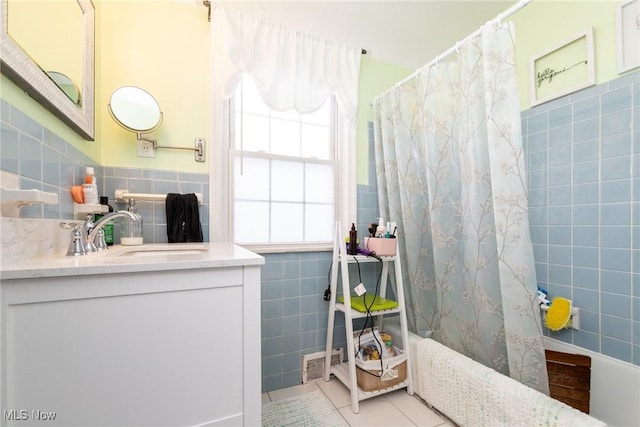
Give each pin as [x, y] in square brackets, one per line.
[121, 196]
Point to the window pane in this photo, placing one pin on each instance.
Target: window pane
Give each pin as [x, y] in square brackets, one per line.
[251, 222]
[285, 137]
[255, 133]
[316, 142]
[291, 115]
[277, 199]
[319, 186]
[318, 223]
[251, 178]
[287, 179]
[286, 222]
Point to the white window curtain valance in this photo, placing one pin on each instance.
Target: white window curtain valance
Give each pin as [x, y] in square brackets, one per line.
[291, 69]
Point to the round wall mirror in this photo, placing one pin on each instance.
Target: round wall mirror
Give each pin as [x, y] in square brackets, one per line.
[135, 109]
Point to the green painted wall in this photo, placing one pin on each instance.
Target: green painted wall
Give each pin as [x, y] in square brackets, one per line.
[134, 48]
[162, 47]
[541, 25]
[375, 78]
[545, 24]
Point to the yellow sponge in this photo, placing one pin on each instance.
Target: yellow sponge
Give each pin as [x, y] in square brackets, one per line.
[559, 314]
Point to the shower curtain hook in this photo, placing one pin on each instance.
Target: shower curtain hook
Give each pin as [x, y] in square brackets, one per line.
[458, 48]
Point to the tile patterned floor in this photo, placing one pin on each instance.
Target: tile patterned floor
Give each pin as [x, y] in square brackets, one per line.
[392, 409]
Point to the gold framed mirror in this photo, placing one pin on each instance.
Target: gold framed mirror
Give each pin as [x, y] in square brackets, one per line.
[20, 66]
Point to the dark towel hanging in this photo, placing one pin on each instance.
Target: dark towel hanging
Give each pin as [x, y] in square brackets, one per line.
[183, 218]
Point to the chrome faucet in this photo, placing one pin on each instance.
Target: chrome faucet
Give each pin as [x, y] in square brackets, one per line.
[77, 246]
[83, 236]
[94, 229]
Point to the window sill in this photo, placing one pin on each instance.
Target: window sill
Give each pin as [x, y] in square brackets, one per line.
[274, 248]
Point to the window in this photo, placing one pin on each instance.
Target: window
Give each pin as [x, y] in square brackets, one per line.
[284, 168]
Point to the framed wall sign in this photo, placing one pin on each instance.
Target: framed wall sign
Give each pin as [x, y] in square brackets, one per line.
[563, 69]
[628, 35]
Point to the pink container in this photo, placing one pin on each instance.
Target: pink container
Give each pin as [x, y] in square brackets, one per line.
[382, 247]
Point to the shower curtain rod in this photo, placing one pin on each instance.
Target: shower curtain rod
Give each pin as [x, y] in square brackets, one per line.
[513, 9]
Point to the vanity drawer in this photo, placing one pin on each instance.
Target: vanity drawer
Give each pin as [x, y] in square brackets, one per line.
[26, 291]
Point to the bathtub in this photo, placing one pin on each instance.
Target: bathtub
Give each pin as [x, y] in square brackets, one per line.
[615, 385]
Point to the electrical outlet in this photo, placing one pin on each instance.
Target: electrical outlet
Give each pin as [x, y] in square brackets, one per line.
[145, 149]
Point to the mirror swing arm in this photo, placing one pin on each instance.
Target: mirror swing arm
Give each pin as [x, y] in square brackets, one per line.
[137, 111]
[199, 146]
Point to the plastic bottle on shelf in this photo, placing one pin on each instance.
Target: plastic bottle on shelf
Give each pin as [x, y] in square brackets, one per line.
[353, 240]
[108, 227]
[89, 188]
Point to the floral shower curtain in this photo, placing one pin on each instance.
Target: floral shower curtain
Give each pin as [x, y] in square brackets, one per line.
[451, 173]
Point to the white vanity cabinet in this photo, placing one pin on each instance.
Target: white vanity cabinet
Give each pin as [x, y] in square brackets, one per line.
[162, 347]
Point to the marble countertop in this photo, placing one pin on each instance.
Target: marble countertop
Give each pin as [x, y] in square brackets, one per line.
[126, 259]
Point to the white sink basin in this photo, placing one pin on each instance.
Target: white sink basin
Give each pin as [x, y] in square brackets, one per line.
[167, 249]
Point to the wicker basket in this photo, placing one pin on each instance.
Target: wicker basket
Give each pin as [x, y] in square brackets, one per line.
[369, 377]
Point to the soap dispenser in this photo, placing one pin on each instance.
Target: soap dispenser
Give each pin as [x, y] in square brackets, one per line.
[131, 233]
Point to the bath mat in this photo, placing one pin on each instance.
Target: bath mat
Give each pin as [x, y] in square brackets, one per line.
[308, 409]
